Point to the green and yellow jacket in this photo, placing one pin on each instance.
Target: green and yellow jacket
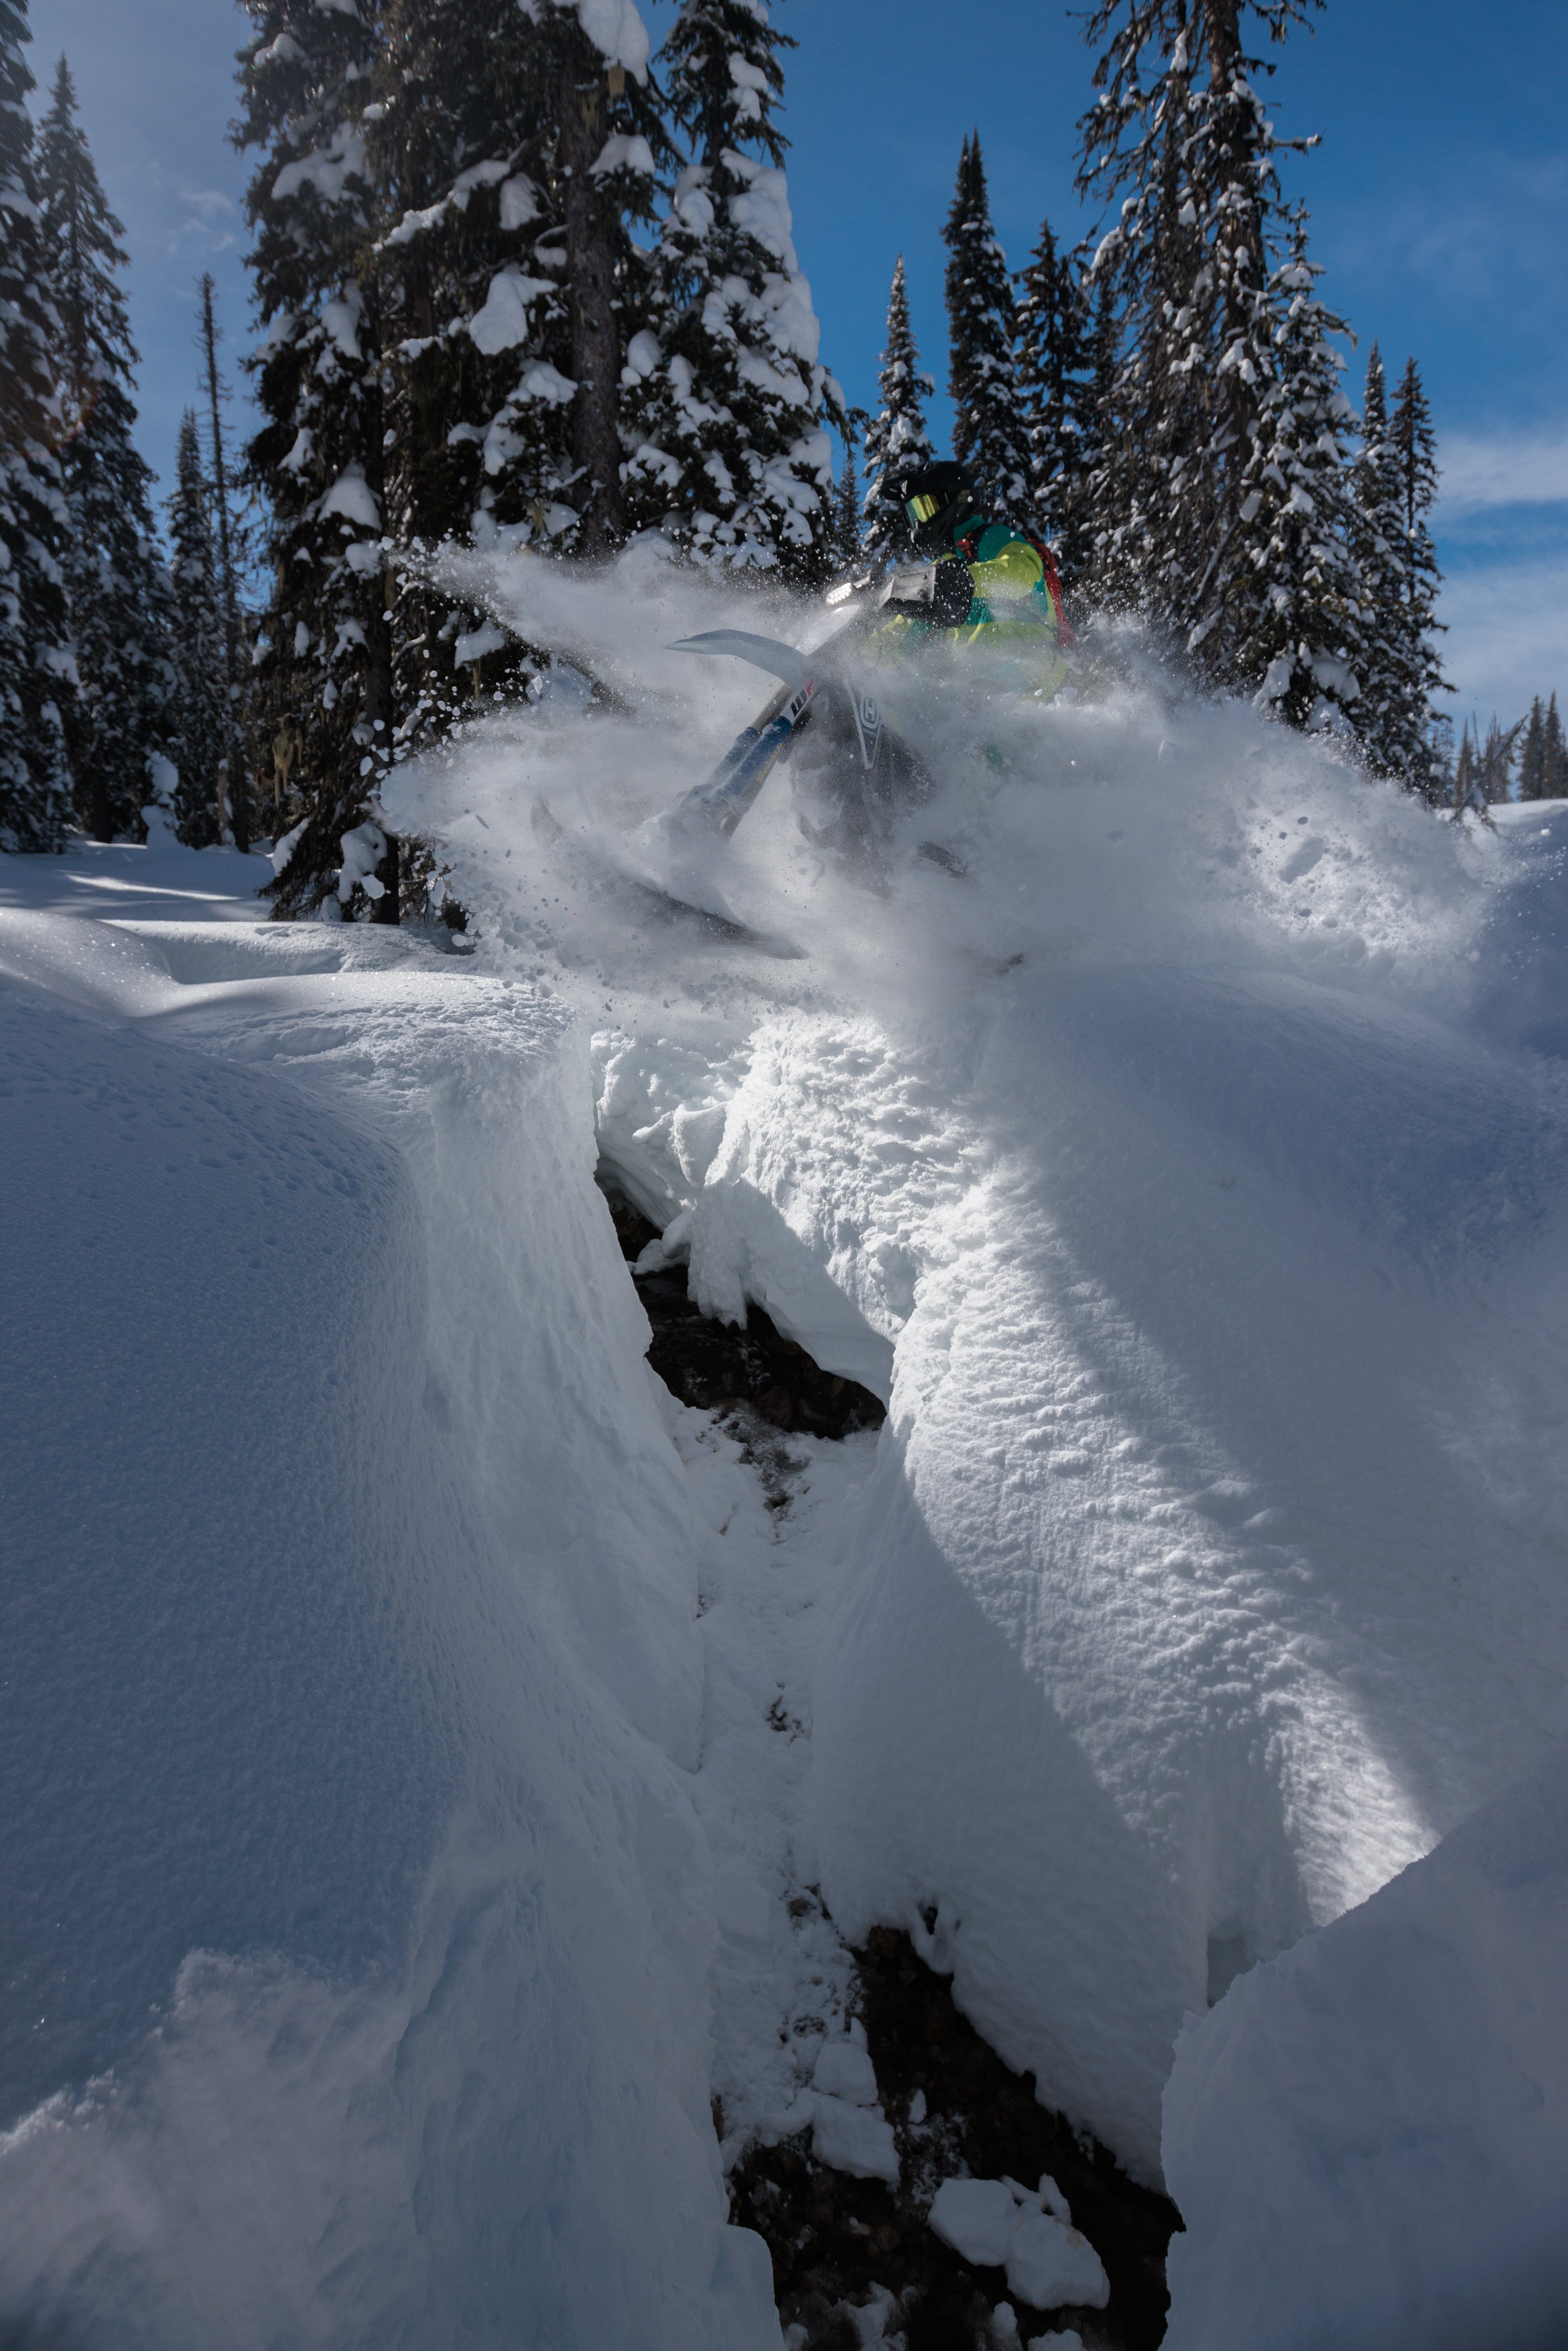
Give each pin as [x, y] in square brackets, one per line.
[1015, 636]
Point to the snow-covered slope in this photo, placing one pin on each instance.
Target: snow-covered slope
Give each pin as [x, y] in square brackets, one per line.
[1190, 1178]
[1369, 2137]
[358, 1916]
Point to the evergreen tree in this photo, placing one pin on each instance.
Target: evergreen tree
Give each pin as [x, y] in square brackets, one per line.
[1554, 769]
[1297, 581]
[115, 578]
[1384, 718]
[724, 396]
[1543, 758]
[1532, 756]
[37, 663]
[1180, 126]
[1056, 387]
[896, 442]
[847, 509]
[202, 726]
[508, 152]
[236, 782]
[990, 433]
[1410, 431]
[323, 698]
[1484, 775]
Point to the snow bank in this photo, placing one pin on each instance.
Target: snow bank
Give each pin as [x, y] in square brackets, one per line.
[1190, 1177]
[1368, 2139]
[358, 1916]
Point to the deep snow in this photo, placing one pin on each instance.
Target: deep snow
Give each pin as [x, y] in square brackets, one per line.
[358, 1913]
[1369, 2137]
[1188, 1178]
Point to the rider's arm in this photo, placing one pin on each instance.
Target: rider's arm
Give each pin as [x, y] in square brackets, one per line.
[939, 592]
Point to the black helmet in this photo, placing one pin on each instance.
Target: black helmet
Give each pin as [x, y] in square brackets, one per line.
[936, 501]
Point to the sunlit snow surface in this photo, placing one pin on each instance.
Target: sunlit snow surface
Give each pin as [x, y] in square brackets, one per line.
[1192, 1170]
[1188, 1175]
[357, 1917]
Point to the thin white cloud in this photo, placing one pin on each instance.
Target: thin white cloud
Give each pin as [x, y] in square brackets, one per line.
[1483, 471]
[211, 203]
[1508, 636]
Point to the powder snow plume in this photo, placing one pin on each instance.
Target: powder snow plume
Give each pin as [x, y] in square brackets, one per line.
[1176, 1173]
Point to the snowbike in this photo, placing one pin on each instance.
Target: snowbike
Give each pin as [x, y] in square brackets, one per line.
[853, 776]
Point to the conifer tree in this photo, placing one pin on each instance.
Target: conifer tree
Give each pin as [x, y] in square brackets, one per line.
[1553, 755]
[1296, 610]
[1180, 126]
[324, 711]
[236, 782]
[1532, 755]
[508, 152]
[1394, 736]
[896, 442]
[1056, 388]
[115, 577]
[1410, 431]
[847, 509]
[201, 723]
[990, 433]
[36, 663]
[728, 451]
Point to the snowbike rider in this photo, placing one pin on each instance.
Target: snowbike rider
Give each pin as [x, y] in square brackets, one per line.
[989, 597]
[984, 611]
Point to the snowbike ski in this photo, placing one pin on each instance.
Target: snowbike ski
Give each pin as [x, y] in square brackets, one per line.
[851, 761]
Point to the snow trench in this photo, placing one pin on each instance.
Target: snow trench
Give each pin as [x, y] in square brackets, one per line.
[1188, 1179]
[358, 1916]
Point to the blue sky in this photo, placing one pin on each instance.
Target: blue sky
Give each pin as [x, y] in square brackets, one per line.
[1439, 197]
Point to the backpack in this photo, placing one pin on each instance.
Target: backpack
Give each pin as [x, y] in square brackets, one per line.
[1066, 634]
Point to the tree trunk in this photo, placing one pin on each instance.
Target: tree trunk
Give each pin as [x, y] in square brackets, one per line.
[387, 908]
[595, 343]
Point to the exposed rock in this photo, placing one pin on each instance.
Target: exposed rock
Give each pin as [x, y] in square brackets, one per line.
[714, 1365]
[843, 2245]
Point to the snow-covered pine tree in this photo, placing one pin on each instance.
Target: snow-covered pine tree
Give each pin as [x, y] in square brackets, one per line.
[1496, 758]
[1296, 630]
[1056, 390]
[201, 726]
[1553, 755]
[511, 147]
[116, 579]
[36, 663]
[896, 442]
[1180, 126]
[1532, 755]
[724, 398]
[323, 692]
[990, 435]
[1410, 431]
[847, 510]
[225, 523]
[1384, 717]
[469, 264]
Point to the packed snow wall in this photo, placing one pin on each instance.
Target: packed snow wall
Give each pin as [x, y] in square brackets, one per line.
[1369, 2137]
[1188, 1174]
[357, 1918]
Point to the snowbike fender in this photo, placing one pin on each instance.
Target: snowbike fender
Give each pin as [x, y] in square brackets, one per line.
[779, 660]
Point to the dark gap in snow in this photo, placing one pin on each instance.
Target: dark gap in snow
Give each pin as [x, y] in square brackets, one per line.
[714, 1365]
[843, 2244]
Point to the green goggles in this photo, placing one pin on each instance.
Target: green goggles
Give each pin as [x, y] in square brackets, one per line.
[924, 508]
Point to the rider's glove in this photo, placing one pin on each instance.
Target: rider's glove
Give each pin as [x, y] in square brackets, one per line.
[939, 592]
